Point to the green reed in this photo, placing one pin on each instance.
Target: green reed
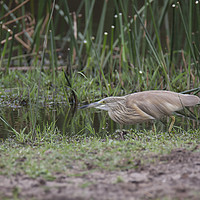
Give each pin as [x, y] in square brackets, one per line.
[137, 34]
[126, 46]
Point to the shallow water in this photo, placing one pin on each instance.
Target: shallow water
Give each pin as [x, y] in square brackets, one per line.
[73, 122]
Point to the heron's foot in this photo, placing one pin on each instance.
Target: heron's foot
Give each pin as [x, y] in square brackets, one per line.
[122, 134]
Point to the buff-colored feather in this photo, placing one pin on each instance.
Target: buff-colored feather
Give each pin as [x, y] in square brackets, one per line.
[142, 106]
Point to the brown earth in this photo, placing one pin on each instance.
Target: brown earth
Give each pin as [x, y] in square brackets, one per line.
[172, 176]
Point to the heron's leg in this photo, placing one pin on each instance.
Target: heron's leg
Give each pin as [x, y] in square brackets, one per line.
[154, 127]
[172, 123]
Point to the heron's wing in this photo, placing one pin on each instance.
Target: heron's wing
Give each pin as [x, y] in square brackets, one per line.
[155, 105]
[141, 113]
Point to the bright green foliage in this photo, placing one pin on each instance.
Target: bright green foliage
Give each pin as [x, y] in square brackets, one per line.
[105, 47]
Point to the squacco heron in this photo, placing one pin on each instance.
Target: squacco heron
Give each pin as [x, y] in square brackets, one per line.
[143, 106]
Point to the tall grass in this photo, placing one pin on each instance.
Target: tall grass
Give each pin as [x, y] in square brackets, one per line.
[144, 36]
[105, 47]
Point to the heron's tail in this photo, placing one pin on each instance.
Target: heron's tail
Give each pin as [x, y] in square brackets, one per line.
[189, 100]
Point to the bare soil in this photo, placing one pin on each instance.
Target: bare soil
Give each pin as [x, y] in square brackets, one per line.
[172, 176]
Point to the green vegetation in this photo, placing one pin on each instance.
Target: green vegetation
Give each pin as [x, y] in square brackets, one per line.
[90, 153]
[55, 55]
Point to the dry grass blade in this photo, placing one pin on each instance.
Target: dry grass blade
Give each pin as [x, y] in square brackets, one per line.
[13, 10]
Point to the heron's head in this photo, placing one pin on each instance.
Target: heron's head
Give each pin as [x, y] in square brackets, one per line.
[107, 103]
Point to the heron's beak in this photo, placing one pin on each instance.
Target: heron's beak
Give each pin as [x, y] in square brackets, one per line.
[91, 105]
[97, 104]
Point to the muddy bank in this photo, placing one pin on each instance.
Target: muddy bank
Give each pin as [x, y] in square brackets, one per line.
[173, 176]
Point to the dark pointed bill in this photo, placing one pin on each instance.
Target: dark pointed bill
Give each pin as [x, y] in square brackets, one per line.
[91, 105]
[97, 104]
[84, 106]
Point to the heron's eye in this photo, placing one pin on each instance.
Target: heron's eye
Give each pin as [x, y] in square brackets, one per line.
[103, 102]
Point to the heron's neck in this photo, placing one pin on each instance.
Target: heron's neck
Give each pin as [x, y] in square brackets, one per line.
[118, 110]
